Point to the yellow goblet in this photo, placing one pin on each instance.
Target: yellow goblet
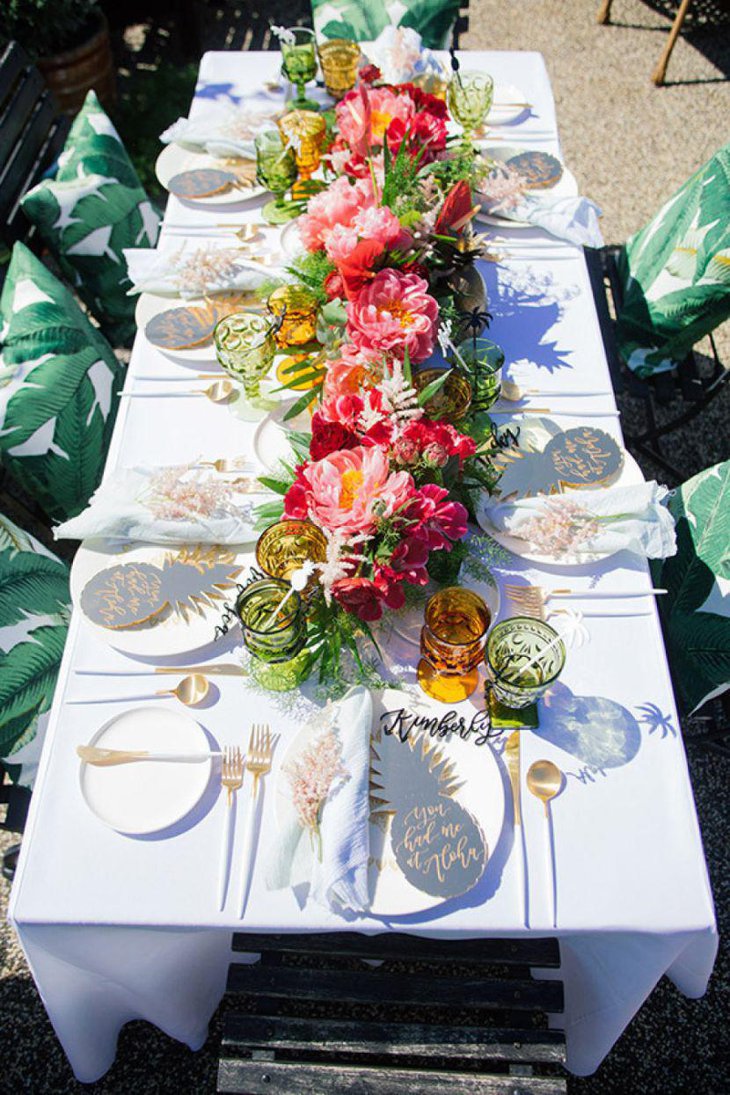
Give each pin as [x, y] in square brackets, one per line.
[298, 307]
[338, 60]
[285, 546]
[453, 639]
[305, 132]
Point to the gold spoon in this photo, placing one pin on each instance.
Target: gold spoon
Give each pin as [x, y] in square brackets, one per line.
[248, 233]
[545, 781]
[191, 691]
[221, 391]
[223, 465]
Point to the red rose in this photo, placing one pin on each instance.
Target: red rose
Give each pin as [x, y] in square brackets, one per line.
[334, 286]
[424, 101]
[369, 74]
[295, 502]
[329, 437]
[360, 596]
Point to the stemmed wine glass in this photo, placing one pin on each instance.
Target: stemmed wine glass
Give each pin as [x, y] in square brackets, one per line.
[299, 55]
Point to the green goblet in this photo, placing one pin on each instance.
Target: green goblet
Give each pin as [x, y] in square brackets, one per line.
[245, 348]
[276, 169]
[524, 657]
[299, 54]
[469, 98]
[483, 361]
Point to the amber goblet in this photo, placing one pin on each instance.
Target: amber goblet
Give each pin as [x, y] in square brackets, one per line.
[286, 545]
[305, 132]
[453, 639]
[298, 307]
[453, 398]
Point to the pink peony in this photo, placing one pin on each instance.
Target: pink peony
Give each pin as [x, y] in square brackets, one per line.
[438, 520]
[347, 491]
[338, 204]
[392, 312]
[363, 116]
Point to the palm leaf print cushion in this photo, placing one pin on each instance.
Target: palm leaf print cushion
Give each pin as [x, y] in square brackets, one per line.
[34, 612]
[676, 272]
[59, 384]
[696, 610]
[363, 20]
[90, 212]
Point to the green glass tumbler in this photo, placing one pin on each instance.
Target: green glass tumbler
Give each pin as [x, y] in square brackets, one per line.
[276, 169]
[482, 360]
[299, 56]
[524, 657]
[274, 629]
[469, 99]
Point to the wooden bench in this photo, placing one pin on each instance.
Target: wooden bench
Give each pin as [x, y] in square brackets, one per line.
[341, 1013]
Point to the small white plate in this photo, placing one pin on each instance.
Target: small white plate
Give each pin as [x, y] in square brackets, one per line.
[147, 796]
[476, 768]
[174, 159]
[503, 108]
[566, 187]
[270, 443]
[170, 635]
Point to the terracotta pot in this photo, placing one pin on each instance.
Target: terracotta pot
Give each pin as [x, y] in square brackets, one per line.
[70, 75]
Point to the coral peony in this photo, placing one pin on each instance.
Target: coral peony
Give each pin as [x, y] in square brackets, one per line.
[392, 313]
[350, 373]
[337, 205]
[349, 490]
[363, 116]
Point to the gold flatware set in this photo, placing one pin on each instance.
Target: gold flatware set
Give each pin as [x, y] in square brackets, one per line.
[533, 600]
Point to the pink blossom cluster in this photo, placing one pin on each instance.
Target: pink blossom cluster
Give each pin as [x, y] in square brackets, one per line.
[311, 776]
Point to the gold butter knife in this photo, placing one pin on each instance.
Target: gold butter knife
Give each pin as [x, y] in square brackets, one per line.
[104, 758]
[512, 757]
[225, 669]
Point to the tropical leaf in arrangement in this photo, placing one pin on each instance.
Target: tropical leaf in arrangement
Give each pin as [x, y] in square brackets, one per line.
[698, 640]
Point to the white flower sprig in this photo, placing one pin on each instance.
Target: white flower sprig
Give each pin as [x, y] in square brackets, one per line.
[340, 561]
[399, 397]
[284, 34]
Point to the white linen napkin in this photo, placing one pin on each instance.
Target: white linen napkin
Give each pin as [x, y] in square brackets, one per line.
[572, 219]
[193, 269]
[632, 518]
[169, 505]
[222, 130]
[340, 879]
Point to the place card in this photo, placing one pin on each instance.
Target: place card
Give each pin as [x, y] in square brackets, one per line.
[539, 170]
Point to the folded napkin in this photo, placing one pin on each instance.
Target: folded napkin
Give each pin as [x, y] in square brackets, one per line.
[631, 518]
[170, 505]
[572, 219]
[339, 879]
[193, 270]
[222, 130]
[400, 55]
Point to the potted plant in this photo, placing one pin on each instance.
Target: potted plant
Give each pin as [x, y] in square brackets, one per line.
[69, 41]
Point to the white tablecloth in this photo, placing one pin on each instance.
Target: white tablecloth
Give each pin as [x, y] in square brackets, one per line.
[116, 928]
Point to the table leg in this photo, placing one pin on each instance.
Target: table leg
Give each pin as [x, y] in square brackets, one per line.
[661, 70]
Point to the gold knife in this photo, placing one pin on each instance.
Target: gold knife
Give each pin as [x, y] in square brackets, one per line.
[512, 756]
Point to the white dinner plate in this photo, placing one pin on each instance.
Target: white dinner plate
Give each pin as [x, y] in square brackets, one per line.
[149, 305]
[147, 796]
[169, 634]
[270, 442]
[566, 187]
[476, 769]
[174, 159]
[290, 240]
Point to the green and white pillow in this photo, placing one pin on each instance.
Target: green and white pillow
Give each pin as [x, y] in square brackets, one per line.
[363, 20]
[90, 212]
[696, 610]
[59, 385]
[676, 272]
[34, 614]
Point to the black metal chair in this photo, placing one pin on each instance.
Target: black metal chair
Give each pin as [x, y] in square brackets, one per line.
[32, 133]
[319, 1017]
[691, 384]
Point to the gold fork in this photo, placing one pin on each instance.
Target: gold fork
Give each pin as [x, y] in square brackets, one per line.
[231, 778]
[258, 763]
[534, 598]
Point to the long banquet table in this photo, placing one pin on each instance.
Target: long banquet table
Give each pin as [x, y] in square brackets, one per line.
[116, 929]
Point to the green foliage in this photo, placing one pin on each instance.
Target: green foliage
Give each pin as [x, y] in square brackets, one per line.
[311, 269]
[45, 27]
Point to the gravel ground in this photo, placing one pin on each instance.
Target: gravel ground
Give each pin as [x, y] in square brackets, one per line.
[630, 146]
